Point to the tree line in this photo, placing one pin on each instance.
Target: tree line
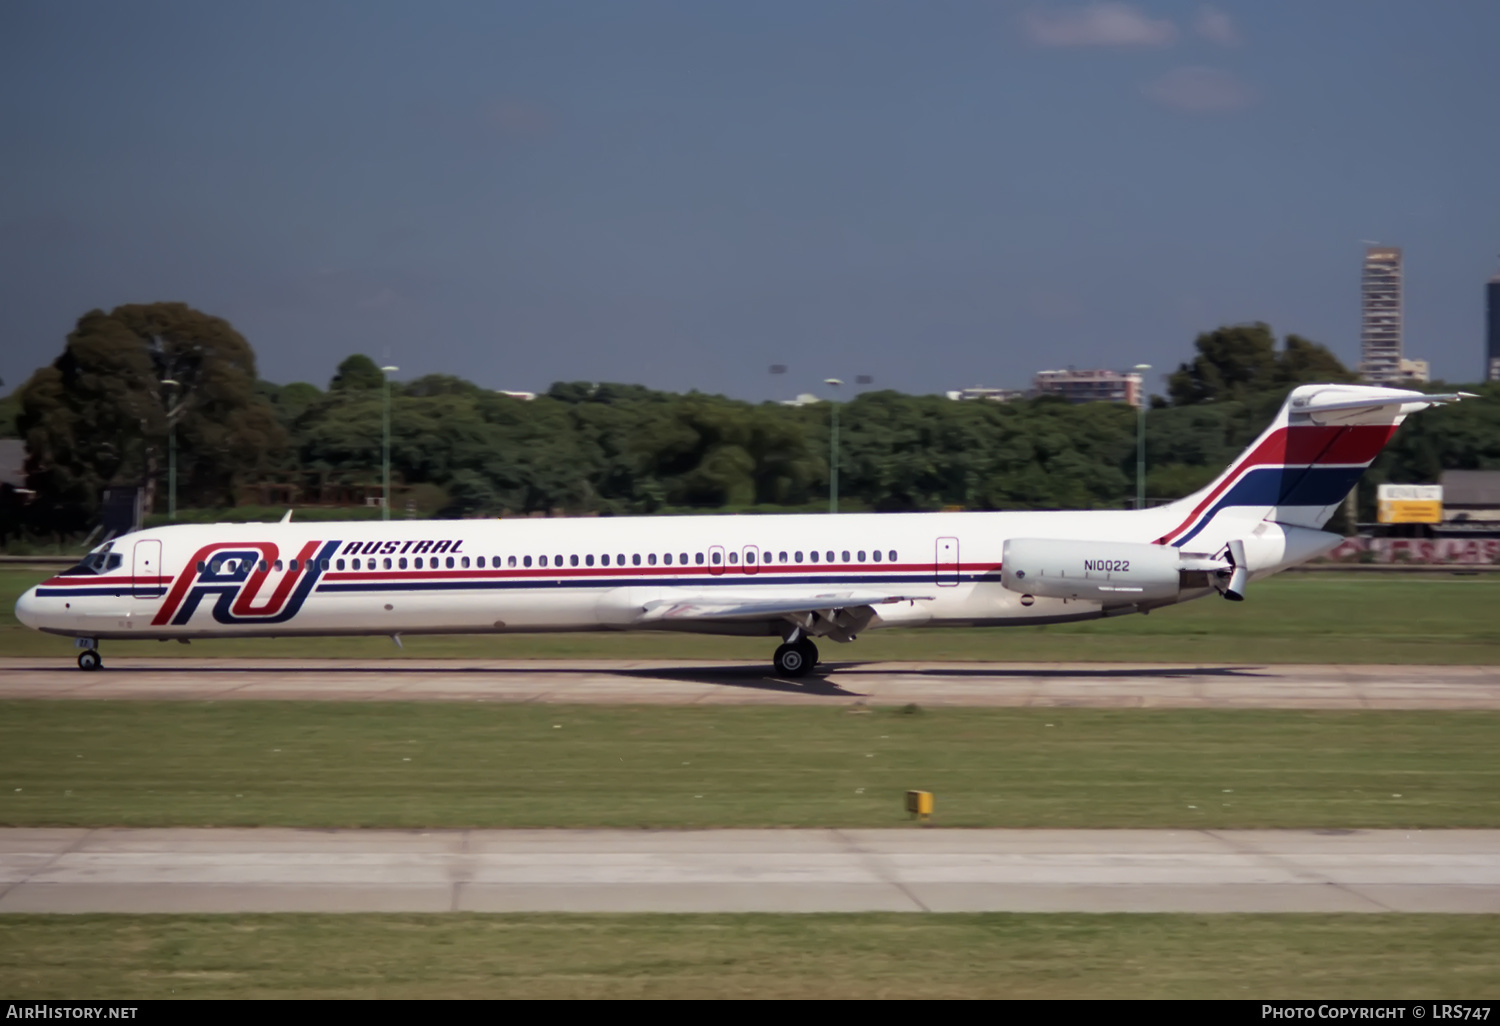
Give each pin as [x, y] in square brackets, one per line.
[105, 413]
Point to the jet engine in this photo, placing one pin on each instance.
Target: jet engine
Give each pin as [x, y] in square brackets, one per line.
[1113, 573]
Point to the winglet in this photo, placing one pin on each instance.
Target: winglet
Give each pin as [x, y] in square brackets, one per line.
[288, 518]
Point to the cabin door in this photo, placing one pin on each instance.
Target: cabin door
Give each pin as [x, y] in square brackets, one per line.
[945, 562]
[146, 570]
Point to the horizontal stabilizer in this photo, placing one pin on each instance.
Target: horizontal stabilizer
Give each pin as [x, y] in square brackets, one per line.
[1335, 404]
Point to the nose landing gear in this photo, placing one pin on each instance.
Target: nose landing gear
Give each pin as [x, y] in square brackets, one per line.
[89, 658]
[795, 658]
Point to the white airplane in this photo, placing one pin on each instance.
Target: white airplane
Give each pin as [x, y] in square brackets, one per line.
[794, 578]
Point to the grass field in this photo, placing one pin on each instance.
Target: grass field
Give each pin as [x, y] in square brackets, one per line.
[752, 956]
[1288, 619]
[335, 764]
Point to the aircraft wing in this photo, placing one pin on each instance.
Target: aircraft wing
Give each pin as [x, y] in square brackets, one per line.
[715, 606]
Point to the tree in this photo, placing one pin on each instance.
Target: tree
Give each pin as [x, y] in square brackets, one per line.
[1232, 363]
[1241, 363]
[103, 413]
[358, 373]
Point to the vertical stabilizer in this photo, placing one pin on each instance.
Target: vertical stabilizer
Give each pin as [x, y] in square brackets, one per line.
[1299, 470]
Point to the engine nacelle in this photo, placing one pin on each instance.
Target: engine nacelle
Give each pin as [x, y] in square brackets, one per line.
[1113, 573]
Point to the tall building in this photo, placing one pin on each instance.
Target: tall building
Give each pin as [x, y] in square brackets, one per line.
[1380, 316]
[1090, 386]
[1492, 321]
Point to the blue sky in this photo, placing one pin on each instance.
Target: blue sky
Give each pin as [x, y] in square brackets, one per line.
[938, 194]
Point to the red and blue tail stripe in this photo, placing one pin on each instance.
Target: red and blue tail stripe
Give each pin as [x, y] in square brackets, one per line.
[1302, 465]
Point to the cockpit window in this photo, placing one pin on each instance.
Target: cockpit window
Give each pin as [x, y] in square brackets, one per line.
[100, 561]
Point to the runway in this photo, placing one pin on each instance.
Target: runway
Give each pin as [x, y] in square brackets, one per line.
[737, 683]
[278, 870]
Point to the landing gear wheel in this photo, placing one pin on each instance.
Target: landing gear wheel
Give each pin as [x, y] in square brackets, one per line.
[792, 661]
[809, 651]
[89, 659]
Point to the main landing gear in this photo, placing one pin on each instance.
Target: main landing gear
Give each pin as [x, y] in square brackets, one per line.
[795, 658]
[89, 658]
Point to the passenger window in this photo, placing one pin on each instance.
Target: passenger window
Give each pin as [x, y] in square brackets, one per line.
[846, 555]
[542, 561]
[573, 560]
[861, 555]
[340, 564]
[682, 558]
[892, 555]
[749, 557]
[698, 559]
[734, 557]
[528, 560]
[876, 554]
[278, 565]
[781, 557]
[323, 564]
[589, 559]
[353, 564]
[651, 558]
[798, 555]
[418, 563]
[401, 563]
[620, 559]
[387, 563]
[715, 558]
[813, 556]
[830, 557]
[635, 559]
[604, 559]
[667, 559]
[557, 561]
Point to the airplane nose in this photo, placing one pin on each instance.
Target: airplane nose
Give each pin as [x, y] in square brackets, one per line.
[28, 610]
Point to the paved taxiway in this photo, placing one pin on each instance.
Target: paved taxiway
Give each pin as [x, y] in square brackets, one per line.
[738, 683]
[277, 870]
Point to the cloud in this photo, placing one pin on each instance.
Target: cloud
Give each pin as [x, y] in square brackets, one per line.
[1216, 26]
[1099, 24]
[1201, 90]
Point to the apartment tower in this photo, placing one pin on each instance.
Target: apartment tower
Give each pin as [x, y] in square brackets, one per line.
[1492, 329]
[1380, 316]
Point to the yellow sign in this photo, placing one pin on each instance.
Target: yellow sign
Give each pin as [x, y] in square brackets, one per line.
[1410, 511]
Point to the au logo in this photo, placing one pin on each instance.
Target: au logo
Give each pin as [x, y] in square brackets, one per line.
[234, 575]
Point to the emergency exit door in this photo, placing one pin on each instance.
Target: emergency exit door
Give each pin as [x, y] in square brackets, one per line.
[146, 570]
[946, 562]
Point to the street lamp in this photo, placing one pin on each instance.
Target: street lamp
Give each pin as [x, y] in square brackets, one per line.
[1140, 438]
[385, 445]
[833, 450]
[171, 452]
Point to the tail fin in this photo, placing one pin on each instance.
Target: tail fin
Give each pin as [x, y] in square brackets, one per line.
[1303, 465]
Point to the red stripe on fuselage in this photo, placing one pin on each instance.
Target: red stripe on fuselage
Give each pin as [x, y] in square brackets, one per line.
[542, 573]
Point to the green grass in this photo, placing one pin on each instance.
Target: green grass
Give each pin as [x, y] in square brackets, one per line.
[412, 765]
[1289, 619]
[1319, 957]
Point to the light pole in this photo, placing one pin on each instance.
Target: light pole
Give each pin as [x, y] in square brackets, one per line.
[1140, 438]
[385, 445]
[171, 452]
[833, 450]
